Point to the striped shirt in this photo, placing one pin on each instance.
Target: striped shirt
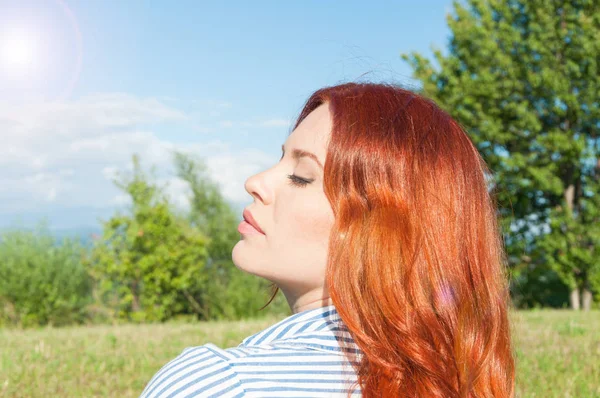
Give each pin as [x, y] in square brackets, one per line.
[297, 357]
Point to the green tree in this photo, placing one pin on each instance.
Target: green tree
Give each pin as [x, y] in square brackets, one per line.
[150, 263]
[232, 294]
[522, 77]
[42, 281]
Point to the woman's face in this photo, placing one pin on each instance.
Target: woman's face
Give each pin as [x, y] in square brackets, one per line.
[296, 219]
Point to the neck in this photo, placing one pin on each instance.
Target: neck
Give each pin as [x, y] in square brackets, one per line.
[307, 301]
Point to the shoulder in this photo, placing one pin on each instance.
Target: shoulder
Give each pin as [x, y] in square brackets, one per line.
[246, 371]
[278, 369]
[197, 370]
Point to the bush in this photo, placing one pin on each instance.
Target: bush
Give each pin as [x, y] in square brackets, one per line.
[42, 282]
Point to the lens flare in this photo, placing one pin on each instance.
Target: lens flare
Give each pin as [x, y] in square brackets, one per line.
[17, 52]
[41, 52]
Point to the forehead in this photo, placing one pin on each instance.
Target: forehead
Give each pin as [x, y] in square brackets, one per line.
[313, 133]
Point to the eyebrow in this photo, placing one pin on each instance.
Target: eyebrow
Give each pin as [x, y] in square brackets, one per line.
[300, 153]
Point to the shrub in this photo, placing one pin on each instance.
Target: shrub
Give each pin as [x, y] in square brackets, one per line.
[42, 282]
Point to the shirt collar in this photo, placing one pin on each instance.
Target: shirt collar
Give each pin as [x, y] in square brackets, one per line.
[294, 325]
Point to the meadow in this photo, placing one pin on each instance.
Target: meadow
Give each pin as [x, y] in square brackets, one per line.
[557, 351]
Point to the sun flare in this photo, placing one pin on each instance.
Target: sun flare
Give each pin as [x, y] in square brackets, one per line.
[41, 51]
[17, 52]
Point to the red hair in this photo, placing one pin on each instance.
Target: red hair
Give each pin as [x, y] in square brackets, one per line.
[416, 263]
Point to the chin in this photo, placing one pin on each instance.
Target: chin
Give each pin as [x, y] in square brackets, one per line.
[253, 265]
[244, 261]
[236, 255]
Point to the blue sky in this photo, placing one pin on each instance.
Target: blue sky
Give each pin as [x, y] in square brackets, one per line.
[85, 84]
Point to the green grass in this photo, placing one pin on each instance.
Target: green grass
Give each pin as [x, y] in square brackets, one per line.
[558, 355]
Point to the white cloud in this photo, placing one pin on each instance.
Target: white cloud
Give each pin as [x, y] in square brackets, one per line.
[68, 153]
[121, 199]
[110, 172]
[51, 195]
[178, 192]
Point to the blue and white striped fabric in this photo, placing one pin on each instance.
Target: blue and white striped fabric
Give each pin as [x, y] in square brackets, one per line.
[297, 357]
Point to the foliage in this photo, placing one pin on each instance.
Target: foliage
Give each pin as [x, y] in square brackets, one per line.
[158, 262]
[233, 294]
[150, 264]
[572, 247]
[523, 77]
[41, 282]
[538, 285]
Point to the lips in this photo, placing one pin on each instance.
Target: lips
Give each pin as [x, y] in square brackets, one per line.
[250, 220]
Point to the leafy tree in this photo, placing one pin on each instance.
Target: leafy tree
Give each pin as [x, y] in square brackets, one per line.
[572, 248]
[150, 263]
[522, 76]
[42, 282]
[232, 293]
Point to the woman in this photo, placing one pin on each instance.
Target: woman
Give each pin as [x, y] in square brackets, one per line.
[377, 226]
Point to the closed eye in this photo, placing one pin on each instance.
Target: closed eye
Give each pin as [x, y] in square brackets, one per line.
[297, 181]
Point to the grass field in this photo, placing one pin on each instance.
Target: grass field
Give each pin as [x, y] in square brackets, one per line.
[558, 355]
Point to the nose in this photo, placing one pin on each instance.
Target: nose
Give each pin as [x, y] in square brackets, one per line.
[256, 187]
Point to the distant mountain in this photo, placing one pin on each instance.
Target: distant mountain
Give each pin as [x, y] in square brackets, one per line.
[83, 234]
[75, 222]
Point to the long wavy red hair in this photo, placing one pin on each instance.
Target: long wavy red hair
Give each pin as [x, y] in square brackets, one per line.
[416, 266]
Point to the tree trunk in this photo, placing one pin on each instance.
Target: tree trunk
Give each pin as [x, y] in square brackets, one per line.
[569, 197]
[587, 298]
[574, 298]
[195, 305]
[135, 305]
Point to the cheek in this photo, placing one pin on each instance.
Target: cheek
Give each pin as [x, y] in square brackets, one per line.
[313, 221]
